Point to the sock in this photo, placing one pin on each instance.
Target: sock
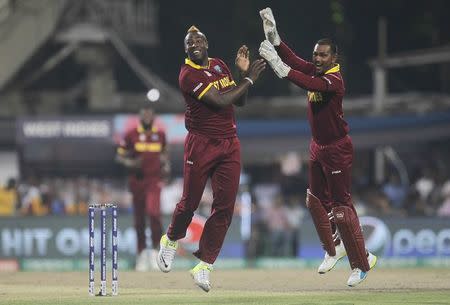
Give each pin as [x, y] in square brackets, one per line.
[205, 264]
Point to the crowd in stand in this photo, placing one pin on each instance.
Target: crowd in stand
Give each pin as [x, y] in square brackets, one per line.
[273, 186]
[277, 191]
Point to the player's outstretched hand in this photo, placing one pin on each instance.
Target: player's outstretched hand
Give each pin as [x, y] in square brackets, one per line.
[270, 26]
[243, 59]
[268, 52]
[256, 68]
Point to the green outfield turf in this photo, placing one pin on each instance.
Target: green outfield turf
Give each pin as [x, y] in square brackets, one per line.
[383, 286]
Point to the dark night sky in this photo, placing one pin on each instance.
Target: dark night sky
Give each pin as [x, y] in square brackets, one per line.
[412, 24]
[352, 24]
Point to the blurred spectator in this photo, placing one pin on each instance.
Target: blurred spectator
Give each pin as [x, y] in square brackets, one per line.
[416, 205]
[377, 202]
[32, 203]
[444, 209]
[295, 213]
[8, 198]
[360, 204]
[425, 184]
[395, 191]
[291, 180]
[170, 195]
[257, 243]
[280, 231]
[265, 194]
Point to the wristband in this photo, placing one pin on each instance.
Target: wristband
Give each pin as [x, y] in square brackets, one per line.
[249, 79]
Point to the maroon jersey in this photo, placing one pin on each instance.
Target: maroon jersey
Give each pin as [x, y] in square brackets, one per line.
[147, 145]
[202, 118]
[325, 94]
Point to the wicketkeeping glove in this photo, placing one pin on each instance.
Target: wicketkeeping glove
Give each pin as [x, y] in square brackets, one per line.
[268, 52]
[270, 26]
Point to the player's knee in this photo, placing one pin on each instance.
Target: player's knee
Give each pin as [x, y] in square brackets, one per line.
[343, 215]
[223, 216]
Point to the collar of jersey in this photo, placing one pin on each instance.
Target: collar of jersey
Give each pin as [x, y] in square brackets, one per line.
[141, 129]
[335, 69]
[189, 62]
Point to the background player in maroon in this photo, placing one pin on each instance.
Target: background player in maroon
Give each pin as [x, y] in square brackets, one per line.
[144, 152]
[331, 150]
[212, 149]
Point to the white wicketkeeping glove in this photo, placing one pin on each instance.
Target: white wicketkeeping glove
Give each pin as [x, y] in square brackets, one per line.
[268, 52]
[270, 26]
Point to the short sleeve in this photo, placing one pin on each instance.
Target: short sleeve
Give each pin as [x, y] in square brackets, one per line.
[195, 82]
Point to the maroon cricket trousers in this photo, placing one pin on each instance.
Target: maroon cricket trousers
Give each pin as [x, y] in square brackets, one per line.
[330, 172]
[220, 160]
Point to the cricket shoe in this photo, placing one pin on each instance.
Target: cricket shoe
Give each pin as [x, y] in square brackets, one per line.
[357, 275]
[142, 263]
[167, 251]
[200, 274]
[329, 262]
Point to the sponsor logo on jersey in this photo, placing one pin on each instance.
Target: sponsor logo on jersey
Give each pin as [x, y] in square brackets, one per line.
[223, 83]
[147, 147]
[314, 97]
[197, 87]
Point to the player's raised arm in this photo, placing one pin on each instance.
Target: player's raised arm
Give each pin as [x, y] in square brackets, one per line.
[285, 53]
[214, 85]
[282, 70]
[270, 26]
[242, 62]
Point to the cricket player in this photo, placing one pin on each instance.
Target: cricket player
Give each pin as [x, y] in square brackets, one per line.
[144, 152]
[331, 150]
[212, 149]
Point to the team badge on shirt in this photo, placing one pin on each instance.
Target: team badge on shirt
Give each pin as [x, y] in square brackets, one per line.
[142, 137]
[218, 68]
[155, 137]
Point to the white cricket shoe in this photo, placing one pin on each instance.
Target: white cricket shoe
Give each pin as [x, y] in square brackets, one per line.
[166, 255]
[200, 274]
[142, 263]
[330, 261]
[357, 275]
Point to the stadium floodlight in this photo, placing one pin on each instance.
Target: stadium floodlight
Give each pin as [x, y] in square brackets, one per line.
[153, 95]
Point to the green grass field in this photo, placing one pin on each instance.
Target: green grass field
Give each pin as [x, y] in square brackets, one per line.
[383, 286]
